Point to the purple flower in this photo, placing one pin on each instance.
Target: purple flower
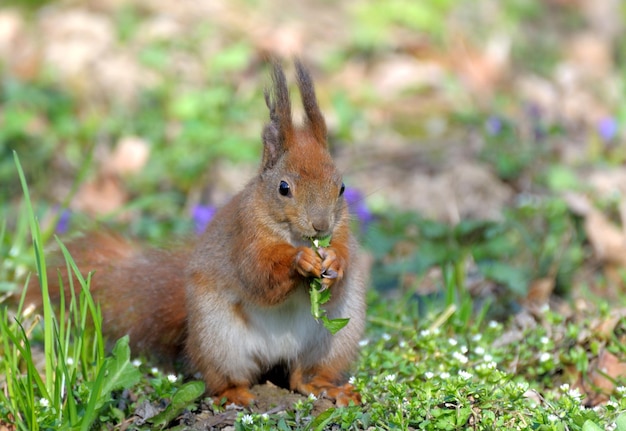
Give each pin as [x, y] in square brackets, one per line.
[356, 204]
[493, 125]
[608, 128]
[64, 222]
[202, 215]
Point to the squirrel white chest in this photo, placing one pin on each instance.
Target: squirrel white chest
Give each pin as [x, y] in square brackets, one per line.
[269, 335]
[281, 332]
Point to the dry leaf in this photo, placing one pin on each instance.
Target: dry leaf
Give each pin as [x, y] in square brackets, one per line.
[591, 54]
[540, 291]
[75, 40]
[605, 328]
[483, 68]
[534, 396]
[607, 369]
[606, 238]
[129, 157]
[103, 195]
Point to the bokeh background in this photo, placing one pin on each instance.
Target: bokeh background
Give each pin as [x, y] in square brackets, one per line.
[412, 92]
[482, 143]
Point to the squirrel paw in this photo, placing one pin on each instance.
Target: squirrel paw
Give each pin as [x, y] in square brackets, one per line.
[308, 263]
[239, 395]
[332, 266]
[344, 395]
[319, 386]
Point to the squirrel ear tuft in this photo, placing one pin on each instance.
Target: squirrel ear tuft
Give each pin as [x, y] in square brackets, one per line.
[314, 118]
[278, 133]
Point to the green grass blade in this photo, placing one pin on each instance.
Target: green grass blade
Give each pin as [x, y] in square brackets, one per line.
[43, 280]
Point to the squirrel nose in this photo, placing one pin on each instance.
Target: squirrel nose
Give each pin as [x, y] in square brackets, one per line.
[321, 225]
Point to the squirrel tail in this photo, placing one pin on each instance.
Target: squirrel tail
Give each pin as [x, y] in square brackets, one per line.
[141, 291]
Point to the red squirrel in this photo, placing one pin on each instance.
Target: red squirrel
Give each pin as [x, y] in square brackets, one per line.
[235, 305]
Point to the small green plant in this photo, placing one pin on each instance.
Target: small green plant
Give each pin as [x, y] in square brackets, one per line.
[321, 295]
[78, 379]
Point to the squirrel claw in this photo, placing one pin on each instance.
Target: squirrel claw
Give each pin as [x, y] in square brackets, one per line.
[321, 251]
[330, 273]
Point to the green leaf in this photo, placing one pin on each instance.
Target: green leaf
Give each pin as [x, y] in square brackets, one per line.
[334, 325]
[516, 279]
[186, 395]
[590, 426]
[620, 422]
[119, 371]
[323, 419]
[320, 296]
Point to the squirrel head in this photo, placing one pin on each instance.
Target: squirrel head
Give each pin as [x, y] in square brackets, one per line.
[298, 176]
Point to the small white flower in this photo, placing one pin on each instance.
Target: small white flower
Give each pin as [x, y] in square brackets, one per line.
[488, 357]
[312, 397]
[445, 375]
[575, 394]
[352, 380]
[477, 337]
[465, 375]
[479, 350]
[247, 419]
[424, 333]
[564, 387]
[136, 362]
[545, 357]
[386, 337]
[44, 402]
[172, 378]
[154, 370]
[428, 375]
[403, 344]
[553, 418]
[364, 342]
[544, 340]
[265, 417]
[460, 357]
[621, 389]
[463, 349]
[69, 361]
[612, 403]
[452, 341]
[493, 324]
[390, 378]
[316, 242]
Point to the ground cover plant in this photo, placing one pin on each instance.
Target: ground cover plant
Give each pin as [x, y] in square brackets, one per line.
[483, 150]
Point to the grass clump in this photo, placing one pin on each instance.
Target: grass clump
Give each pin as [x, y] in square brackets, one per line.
[74, 389]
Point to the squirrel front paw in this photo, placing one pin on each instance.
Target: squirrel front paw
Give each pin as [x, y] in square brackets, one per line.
[308, 263]
[332, 266]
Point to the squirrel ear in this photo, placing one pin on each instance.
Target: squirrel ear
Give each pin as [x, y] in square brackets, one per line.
[279, 131]
[314, 118]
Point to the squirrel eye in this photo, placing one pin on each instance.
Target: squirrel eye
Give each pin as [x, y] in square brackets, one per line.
[343, 189]
[283, 188]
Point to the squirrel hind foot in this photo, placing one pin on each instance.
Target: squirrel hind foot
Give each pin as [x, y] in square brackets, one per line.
[345, 395]
[321, 386]
[239, 395]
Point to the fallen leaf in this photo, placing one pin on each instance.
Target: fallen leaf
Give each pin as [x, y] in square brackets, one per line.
[606, 238]
[606, 327]
[540, 291]
[606, 370]
[129, 157]
[103, 195]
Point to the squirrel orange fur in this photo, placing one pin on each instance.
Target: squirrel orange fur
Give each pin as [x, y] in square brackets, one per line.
[235, 305]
